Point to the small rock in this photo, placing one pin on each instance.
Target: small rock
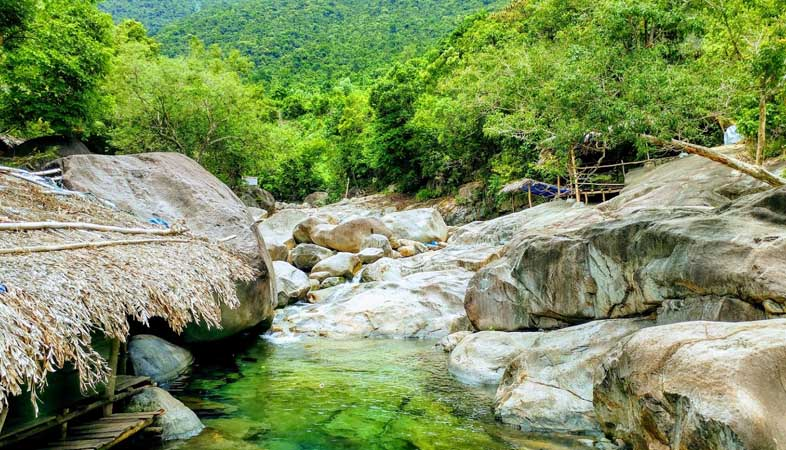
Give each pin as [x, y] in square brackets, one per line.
[291, 283]
[306, 256]
[418, 246]
[377, 241]
[314, 284]
[317, 199]
[773, 308]
[158, 359]
[407, 251]
[319, 276]
[449, 342]
[332, 281]
[177, 422]
[371, 255]
[395, 255]
[339, 265]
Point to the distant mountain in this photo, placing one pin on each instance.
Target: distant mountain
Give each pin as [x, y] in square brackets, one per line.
[310, 41]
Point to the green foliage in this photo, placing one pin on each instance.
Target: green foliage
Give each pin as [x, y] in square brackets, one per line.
[53, 70]
[315, 42]
[14, 18]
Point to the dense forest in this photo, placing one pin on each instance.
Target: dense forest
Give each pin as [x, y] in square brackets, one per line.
[505, 94]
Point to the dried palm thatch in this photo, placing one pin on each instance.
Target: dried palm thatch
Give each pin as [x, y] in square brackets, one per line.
[56, 299]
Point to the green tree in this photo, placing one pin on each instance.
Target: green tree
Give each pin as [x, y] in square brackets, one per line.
[53, 71]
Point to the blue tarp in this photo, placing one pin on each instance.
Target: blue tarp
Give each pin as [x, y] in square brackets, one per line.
[546, 190]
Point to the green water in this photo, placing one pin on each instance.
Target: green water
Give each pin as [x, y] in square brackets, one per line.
[328, 394]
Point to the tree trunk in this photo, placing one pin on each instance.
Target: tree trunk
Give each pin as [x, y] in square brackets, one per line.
[762, 127]
[755, 171]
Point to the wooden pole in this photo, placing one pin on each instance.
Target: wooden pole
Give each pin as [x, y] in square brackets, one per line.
[95, 244]
[761, 142]
[3, 415]
[757, 172]
[33, 226]
[575, 174]
[586, 198]
[529, 195]
[110, 385]
[603, 194]
[559, 189]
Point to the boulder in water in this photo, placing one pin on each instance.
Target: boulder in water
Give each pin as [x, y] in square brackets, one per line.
[483, 357]
[703, 385]
[156, 358]
[177, 422]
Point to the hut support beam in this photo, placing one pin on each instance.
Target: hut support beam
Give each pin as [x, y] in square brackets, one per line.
[529, 195]
[110, 385]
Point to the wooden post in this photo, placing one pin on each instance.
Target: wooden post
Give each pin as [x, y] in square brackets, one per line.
[3, 415]
[575, 174]
[64, 425]
[586, 198]
[603, 193]
[346, 192]
[559, 188]
[109, 394]
[761, 141]
[529, 194]
[122, 368]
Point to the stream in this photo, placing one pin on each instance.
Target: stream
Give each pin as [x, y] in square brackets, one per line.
[322, 394]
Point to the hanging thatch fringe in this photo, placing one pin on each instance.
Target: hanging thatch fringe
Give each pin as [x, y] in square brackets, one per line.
[29, 226]
[54, 300]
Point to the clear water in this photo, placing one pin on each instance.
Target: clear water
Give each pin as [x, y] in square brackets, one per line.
[327, 394]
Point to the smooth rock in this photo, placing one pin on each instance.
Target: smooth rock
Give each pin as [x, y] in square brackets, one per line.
[303, 230]
[696, 385]
[317, 199]
[306, 256]
[377, 241]
[329, 282]
[339, 265]
[422, 225]
[714, 309]
[452, 257]
[371, 255]
[548, 386]
[158, 359]
[319, 276]
[177, 422]
[278, 231]
[175, 188]
[449, 342]
[256, 197]
[483, 357]
[292, 283]
[348, 236]
[423, 305]
[407, 251]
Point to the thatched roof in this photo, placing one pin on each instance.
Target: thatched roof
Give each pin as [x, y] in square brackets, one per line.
[55, 299]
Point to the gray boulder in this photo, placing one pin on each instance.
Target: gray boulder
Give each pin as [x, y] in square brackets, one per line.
[371, 255]
[548, 386]
[422, 225]
[339, 265]
[292, 284]
[317, 199]
[377, 241]
[256, 197]
[173, 187]
[156, 358]
[278, 231]
[330, 282]
[306, 256]
[348, 236]
[702, 385]
[177, 422]
[483, 357]
[449, 342]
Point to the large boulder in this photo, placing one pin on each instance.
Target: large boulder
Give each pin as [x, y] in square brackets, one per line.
[422, 225]
[278, 232]
[452, 257]
[306, 256]
[339, 265]
[377, 241]
[482, 358]
[173, 187]
[177, 421]
[317, 199]
[633, 264]
[697, 385]
[256, 197]
[348, 236]
[424, 305]
[156, 358]
[291, 283]
[548, 386]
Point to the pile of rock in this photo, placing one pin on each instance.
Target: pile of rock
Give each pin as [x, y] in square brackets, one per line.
[313, 249]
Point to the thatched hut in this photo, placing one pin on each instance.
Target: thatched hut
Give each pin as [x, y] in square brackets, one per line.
[71, 267]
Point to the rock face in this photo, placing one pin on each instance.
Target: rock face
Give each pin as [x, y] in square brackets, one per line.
[631, 265]
[339, 265]
[482, 358]
[548, 385]
[706, 385]
[422, 225]
[156, 358]
[423, 305]
[291, 283]
[306, 256]
[173, 187]
[178, 422]
[278, 231]
[348, 236]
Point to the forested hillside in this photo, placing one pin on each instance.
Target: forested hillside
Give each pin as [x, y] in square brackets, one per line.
[506, 94]
[310, 42]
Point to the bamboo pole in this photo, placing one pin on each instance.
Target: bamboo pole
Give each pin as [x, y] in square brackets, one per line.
[559, 189]
[529, 194]
[575, 174]
[757, 172]
[110, 385]
[34, 226]
[84, 245]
